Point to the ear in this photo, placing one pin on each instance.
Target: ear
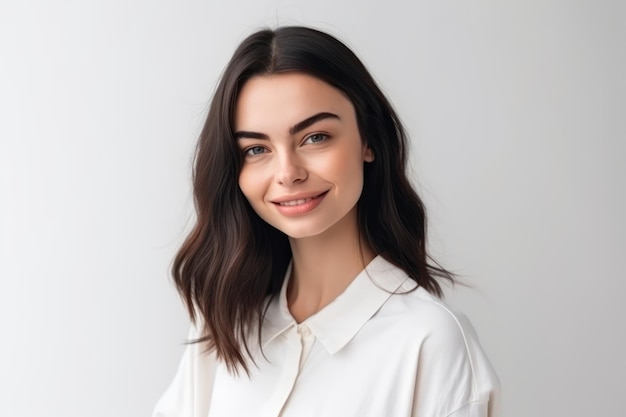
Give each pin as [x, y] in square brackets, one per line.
[368, 155]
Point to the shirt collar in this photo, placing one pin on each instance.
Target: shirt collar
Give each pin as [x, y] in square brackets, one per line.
[337, 323]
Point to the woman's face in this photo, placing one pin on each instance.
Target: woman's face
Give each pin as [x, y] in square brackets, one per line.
[303, 159]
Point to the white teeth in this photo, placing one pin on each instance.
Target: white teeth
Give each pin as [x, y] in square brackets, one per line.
[295, 202]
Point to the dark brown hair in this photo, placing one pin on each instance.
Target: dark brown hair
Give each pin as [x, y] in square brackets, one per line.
[233, 262]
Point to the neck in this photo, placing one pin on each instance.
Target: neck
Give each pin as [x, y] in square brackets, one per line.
[325, 265]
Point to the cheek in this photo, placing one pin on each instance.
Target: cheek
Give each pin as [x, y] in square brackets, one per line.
[250, 184]
[345, 167]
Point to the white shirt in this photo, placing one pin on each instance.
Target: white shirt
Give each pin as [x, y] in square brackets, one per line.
[373, 351]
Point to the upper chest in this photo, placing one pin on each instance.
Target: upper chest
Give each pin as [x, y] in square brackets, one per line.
[373, 374]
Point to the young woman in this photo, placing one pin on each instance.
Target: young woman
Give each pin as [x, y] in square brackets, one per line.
[306, 275]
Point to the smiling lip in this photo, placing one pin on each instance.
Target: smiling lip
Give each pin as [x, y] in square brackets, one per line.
[298, 204]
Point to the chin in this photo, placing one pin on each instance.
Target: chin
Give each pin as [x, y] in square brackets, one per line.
[302, 230]
[312, 225]
[301, 233]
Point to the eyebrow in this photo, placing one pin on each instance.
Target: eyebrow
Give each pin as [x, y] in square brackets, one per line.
[309, 121]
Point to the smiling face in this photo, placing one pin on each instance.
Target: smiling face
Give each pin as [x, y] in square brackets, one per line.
[303, 159]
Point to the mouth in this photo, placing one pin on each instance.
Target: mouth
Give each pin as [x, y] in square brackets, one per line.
[296, 202]
[299, 204]
[299, 201]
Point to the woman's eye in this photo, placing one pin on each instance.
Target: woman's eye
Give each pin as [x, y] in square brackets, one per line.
[316, 138]
[255, 150]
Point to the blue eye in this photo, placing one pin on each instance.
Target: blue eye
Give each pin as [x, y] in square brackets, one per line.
[255, 150]
[316, 138]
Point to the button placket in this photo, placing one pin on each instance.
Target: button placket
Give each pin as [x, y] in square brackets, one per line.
[306, 340]
[287, 380]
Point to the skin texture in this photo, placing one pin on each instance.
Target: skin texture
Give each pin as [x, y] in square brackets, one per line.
[302, 146]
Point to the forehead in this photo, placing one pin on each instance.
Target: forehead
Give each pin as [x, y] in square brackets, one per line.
[276, 101]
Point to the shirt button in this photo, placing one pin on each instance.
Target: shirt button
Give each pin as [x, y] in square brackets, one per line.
[303, 330]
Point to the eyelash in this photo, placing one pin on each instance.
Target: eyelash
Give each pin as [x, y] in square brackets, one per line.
[248, 151]
[322, 135]
[324, 138]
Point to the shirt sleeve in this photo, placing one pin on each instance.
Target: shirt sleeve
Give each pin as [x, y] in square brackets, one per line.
[189, 394]
[454, 378]
[477, 409]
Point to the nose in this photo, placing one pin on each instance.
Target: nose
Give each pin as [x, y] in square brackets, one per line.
[290, 169]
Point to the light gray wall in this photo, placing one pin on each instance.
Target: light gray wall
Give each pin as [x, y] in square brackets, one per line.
[517, 116]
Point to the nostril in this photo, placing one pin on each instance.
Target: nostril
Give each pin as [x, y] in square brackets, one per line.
[290, 173]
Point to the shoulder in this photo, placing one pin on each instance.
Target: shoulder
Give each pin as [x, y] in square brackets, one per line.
[415, 310]
[424, 312]
[440, 329]
[189, 393]
[450, 360]
[451, 365]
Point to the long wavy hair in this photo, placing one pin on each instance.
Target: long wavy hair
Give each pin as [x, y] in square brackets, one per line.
[233, 262]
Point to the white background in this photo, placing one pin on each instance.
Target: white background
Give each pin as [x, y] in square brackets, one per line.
[516, 111]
